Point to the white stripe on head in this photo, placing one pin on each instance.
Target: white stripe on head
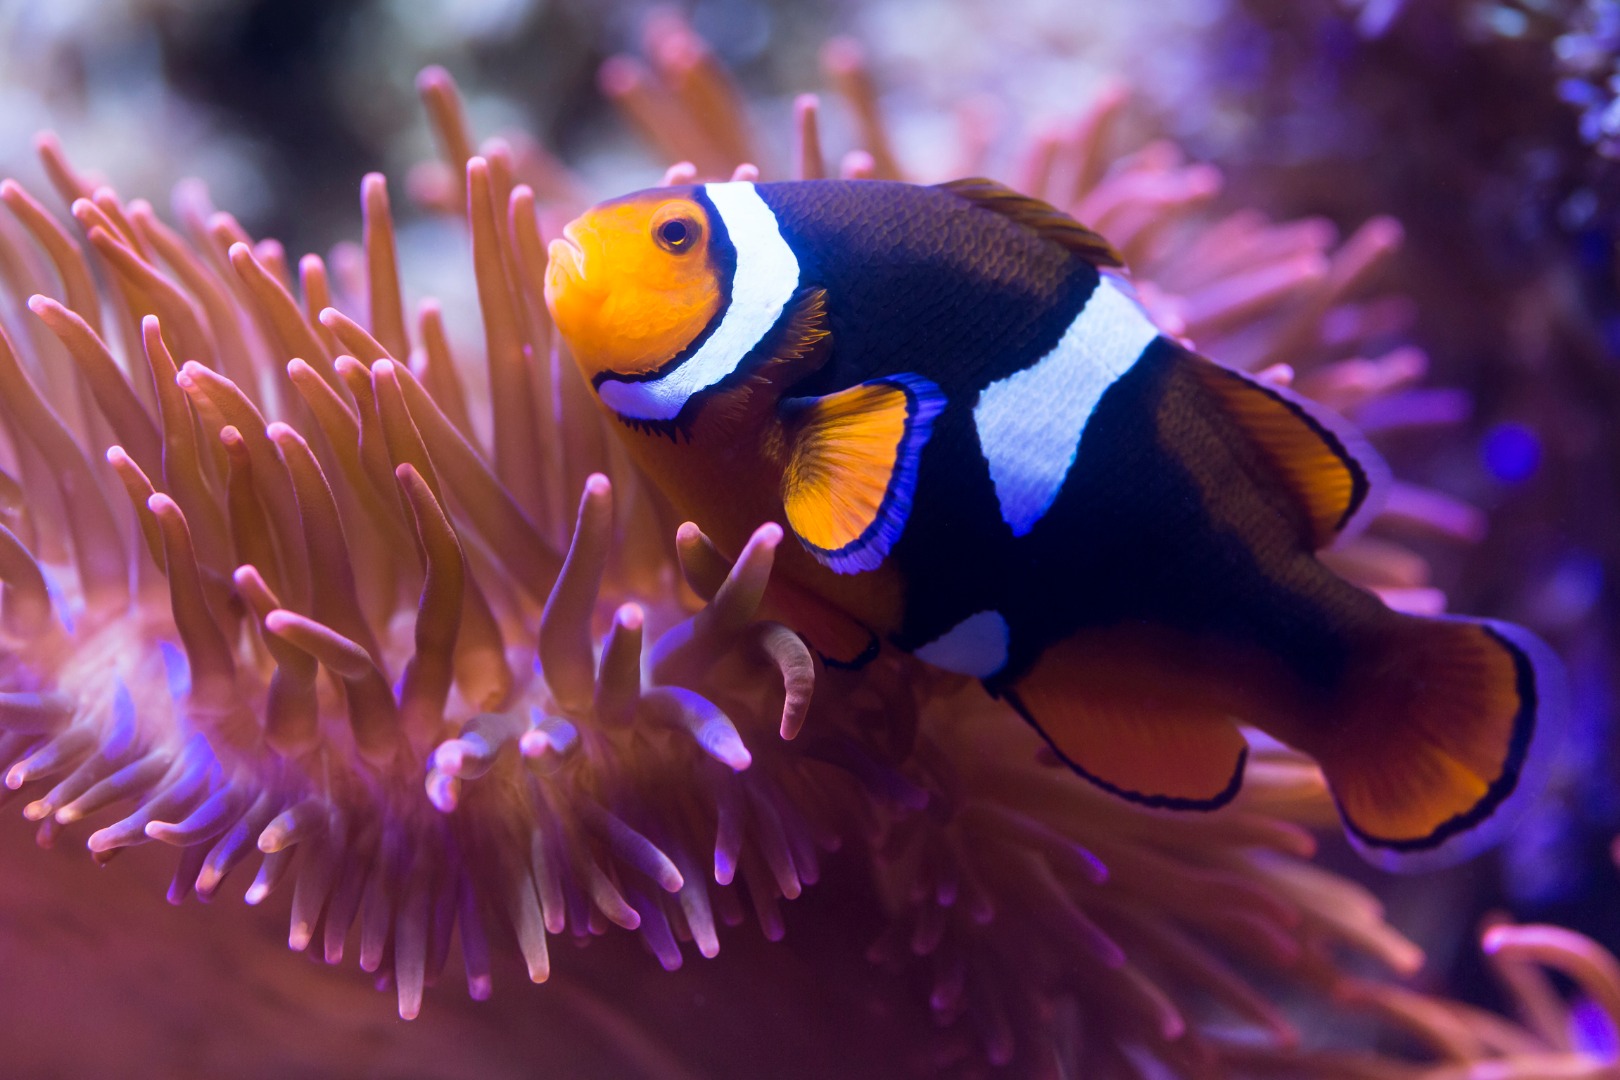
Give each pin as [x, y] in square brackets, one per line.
[763, 283]
[1030, 423]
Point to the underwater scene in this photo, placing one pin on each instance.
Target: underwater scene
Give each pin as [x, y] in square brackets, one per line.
[860, 538]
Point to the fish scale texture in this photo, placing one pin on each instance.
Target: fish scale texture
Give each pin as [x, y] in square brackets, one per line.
[919, 279]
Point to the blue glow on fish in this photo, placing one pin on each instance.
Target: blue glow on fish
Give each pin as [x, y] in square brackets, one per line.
[1030, 423]
[975, 646]
[762, 286]
[927, 402]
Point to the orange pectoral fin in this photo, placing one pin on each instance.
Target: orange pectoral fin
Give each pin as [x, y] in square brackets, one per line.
[847, 488]
[1174, 753]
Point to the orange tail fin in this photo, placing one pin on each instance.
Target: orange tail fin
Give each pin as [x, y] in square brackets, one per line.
[1449, 722]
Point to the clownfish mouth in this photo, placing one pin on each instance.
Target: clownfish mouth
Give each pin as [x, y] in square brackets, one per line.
[567, 265]
[567, 258]
[569, 296]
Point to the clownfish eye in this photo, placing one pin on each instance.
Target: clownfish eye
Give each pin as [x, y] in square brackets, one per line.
[677, 235]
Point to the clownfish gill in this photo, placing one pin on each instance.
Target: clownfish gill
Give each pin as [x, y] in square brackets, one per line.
[992, 459]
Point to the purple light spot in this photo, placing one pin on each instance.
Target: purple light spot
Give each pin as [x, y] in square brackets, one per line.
[1591, 1030]
[177, 668]
[1578, 92]
[1512, 453]
[562, 734]
[122, 735]
[1592, 245]
[1611, 335]
[198, 755]
[58, 602]
[1573, 589]
[725, 868]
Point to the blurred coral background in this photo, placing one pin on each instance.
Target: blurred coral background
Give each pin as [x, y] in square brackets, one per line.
[1480, 138]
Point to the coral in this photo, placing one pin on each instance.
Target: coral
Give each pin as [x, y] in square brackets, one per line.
[331, 604]
[1588, 52]
[1581, 39]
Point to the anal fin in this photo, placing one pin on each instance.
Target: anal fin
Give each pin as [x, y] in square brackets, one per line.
[1101, 715]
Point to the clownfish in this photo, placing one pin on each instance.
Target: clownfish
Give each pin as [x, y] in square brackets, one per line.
[990, 457]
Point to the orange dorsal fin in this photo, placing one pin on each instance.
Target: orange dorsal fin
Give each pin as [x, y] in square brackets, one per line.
[1314, 462]
[1097, 706]
[1037, 216]
[848, 483]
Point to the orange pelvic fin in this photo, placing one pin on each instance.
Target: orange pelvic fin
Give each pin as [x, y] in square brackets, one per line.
[1325, 465]
[1444, 726]
[1108, 722]
[848, 485]
[840, 640]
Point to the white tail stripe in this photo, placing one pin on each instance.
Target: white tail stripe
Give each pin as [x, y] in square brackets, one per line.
[975, 646]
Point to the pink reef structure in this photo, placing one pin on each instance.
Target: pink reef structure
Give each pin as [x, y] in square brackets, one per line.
[285, 584]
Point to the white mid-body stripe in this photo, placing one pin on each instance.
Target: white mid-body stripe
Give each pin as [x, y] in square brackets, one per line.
[975, 646]
[765, 279]
[1030, 423]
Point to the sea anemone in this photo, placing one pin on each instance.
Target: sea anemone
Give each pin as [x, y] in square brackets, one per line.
[417, 639]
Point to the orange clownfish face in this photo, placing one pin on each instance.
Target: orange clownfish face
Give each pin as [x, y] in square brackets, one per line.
[632, 283]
